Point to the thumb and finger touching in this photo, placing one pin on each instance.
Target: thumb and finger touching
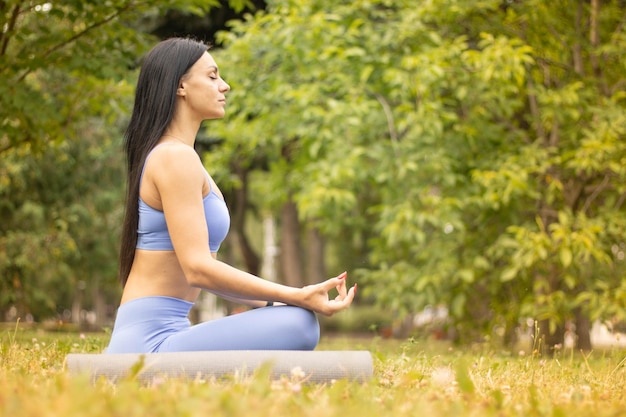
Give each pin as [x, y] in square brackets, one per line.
[341, 301]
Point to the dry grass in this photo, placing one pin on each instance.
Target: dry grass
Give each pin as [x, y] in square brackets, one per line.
[411, 378]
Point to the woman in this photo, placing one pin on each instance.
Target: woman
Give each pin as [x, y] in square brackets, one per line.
[176, 219]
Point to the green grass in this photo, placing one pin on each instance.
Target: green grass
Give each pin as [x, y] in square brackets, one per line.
[411, 378]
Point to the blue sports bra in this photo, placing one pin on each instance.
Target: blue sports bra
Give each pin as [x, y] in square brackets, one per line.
[152, 233]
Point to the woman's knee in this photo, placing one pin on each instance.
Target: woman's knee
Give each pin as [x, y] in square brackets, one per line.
[304, 328]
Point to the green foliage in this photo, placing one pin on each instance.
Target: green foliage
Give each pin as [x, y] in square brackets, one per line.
[572, 235]
[66, 72]
[56, 222]
[473, 150]
[466, 153]
[358, 320]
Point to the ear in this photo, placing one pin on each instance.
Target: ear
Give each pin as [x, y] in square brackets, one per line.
[181, 90]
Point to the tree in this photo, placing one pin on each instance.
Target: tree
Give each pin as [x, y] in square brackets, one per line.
[66, 73]
[571, 254]
[528, 207]
[280, 120]
[473, 150]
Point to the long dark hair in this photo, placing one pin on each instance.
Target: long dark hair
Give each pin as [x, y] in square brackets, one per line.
[155, 98]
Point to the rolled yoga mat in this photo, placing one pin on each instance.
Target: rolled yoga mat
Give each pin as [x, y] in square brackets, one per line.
[311, 366]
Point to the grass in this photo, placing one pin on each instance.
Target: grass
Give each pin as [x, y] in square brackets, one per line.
[410, 378]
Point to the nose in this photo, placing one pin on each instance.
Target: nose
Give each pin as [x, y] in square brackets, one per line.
[224, 87]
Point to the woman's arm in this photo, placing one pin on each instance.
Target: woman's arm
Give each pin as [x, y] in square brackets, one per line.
[179, 177]
[244, 301]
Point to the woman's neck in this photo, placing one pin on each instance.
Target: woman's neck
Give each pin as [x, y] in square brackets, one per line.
[185, 136]
[182, 130]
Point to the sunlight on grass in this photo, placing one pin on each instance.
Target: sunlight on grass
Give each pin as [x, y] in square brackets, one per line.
[410, 378]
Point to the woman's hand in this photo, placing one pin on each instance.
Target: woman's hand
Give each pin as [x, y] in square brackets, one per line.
[316, 297]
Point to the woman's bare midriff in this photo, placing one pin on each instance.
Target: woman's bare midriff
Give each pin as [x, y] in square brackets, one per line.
[158, 273]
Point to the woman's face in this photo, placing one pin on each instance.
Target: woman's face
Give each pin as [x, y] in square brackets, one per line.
[203, 90]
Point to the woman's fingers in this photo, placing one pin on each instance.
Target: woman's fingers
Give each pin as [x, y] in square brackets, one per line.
[342, 288]
[336, 282]
[323, 304]
[341, 304]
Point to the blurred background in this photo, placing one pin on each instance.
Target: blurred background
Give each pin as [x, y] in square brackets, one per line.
[464, 161]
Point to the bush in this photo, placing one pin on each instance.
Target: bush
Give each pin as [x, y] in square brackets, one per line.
[358, 319]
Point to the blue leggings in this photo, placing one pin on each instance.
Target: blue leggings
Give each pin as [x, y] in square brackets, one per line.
[160, 324]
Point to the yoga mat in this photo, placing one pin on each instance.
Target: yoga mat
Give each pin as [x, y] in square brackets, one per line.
[316, 366]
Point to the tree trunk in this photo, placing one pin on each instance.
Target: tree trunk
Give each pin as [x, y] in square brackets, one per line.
[290, 257]
[549, 341]
[270, 249]
[250, 258]
[583, 331]
[99, 305]
[77, 303]
[510, 337]
[315, 268]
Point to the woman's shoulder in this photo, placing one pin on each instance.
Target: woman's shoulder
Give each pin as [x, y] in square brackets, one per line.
[173, 148]
[174, 159]
[170, 153]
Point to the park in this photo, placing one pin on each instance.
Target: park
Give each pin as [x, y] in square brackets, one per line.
[464, 162]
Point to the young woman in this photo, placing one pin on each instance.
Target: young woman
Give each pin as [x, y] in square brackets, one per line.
[176, 219]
